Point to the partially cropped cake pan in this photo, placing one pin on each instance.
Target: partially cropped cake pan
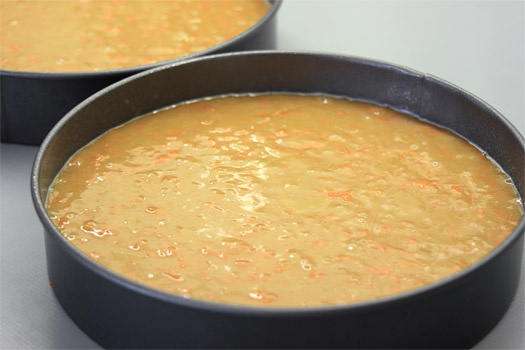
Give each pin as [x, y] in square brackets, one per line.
[323, 236]
[53, 57]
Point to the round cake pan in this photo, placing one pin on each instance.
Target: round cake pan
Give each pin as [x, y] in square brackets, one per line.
[32, 102]
[118, 313]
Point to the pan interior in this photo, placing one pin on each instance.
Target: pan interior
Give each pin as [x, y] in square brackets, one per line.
[342, 196]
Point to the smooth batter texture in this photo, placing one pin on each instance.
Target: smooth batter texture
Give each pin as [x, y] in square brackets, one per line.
[91, 35]
[283, 200]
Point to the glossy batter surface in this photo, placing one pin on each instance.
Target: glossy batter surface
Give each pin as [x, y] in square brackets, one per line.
[91, 35]
[283, 200]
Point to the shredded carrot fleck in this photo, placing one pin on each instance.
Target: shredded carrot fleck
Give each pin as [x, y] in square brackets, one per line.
[423, 183]
[320, 243]
[344, 195]
[382, 270]
[174, 276]
[480, 213]
[316, 275]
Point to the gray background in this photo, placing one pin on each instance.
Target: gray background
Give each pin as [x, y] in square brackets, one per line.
[477, 45]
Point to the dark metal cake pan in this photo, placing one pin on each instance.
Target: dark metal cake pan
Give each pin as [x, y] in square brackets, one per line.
[32, 102]
[116, 312]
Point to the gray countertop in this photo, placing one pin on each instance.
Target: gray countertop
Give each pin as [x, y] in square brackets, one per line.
[476, 45]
